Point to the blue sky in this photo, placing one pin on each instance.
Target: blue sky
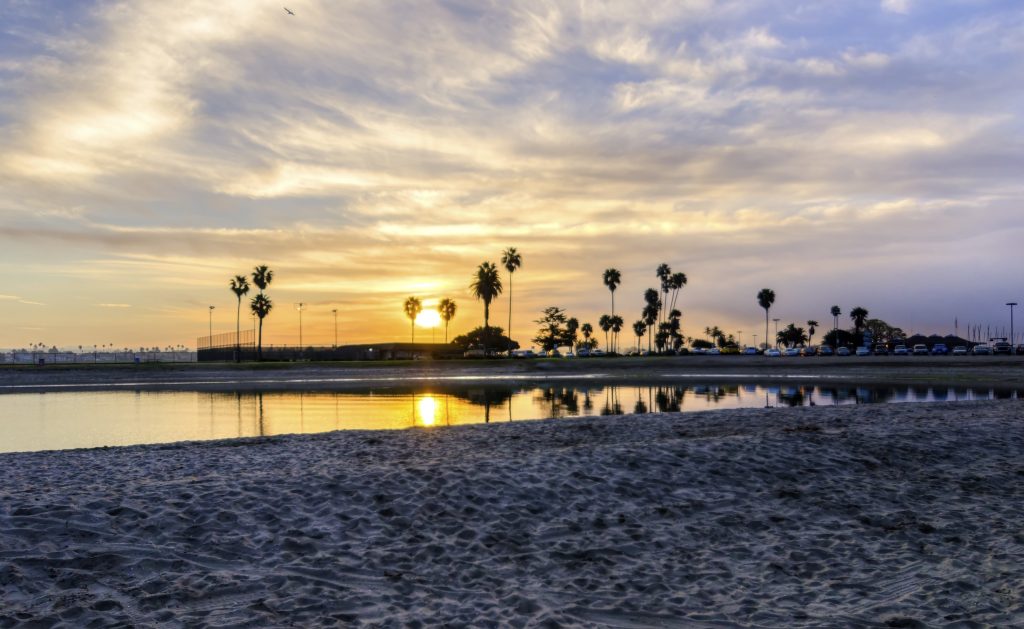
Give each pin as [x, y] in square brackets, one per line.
[854, 153]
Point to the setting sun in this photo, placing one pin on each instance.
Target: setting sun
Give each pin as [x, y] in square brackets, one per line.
[428, 319]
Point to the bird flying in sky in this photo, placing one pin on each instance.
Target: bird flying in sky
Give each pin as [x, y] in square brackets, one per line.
[289, 11]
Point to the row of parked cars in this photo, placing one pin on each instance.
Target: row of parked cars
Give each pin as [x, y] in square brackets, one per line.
[938, 349]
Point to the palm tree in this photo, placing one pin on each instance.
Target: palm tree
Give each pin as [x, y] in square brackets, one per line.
[512, 260]
[835, 324]
[587, 331]
[858, 315]
[811, 324]
[262, 276]
[605, 323]
[413, 307]
[486, 285]
[765, 298]
[239, 286]
[639, 328]
[676, 282]
[261, 307]
[664, 273]
[617, 323]
[447, 311]
[612, 279]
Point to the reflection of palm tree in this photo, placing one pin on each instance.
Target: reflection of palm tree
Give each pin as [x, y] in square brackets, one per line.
[486, 286]
[447, 311]
[261, 307]
[765, 298]
[512, 260]
[413, 307]
[239, 286]
[612, 279]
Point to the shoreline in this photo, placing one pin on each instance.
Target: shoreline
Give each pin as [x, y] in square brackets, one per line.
[790, 517]
[978, 371]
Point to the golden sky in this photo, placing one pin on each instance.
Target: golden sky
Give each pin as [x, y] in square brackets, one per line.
[852, 153]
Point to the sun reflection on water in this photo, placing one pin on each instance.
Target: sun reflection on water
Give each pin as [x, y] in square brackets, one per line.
[427, 407]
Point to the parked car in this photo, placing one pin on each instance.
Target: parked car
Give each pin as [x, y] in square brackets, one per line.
[863, 350]
[1019, 350]
[791, 351]
[881, 350]
[843, 351]
[714, 351]
[475, 351]
[900, 350]
[981, 349]
[1002, 347]
[825, 350]
[920, 350]
[597, 352]
[583, 352]
[523, 353]
[939, 349]
[750, 351]
[960, 350]
[772, 353]
[810, 350]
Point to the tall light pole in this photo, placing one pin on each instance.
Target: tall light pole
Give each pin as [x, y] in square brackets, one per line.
[335, 311]
[776, 333]
[739, 340]
[300, 306]
[211, 325]
[1011, 304]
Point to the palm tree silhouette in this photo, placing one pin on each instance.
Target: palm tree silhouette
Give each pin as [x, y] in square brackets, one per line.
[612, 279]
[262, 276]
[676, 281]
[239, 286]
[605, 323]
[413, 307]
[261, 307]
[447, 311]
[811, 324]
[587, 331]
[616, 324]
[486, 285]
[664, 273]
[835, 325]
[512, 260]
[765, 298]
[858, 315]
[639, 328]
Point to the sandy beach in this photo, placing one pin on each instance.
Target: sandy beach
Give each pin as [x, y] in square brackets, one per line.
[892, 515]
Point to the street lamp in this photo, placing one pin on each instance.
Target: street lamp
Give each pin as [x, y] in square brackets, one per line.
[1011, 304]
[335, 311]
[776, 333]
[211, 325]
[300, 306]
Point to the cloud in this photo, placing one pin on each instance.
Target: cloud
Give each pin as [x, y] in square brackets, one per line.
[114, 305]
[896, 6]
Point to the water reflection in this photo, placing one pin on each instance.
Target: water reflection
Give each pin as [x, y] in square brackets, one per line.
[35, 421]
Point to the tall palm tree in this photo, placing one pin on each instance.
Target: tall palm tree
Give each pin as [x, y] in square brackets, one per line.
[858, 315]
[811, 324]
[676, 282]
[512, 260]
[612, 279]
[486, 285]
[261, 307]
[835, 325]
[262, 276]
[616, 322]
[640, 329]
[239, 286]
[587, 331]
[447, 311]
[664, 273]
[413, 307]
[605, 323]
[765, 298]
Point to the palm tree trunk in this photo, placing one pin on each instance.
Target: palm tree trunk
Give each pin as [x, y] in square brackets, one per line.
[766, 329]
[238, 331]
[445, 332]
[487, 326]
[510, 305]
[260, 342]
[613, 303]
[413, 326]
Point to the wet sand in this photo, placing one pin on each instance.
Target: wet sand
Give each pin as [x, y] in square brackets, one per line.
[898, 515]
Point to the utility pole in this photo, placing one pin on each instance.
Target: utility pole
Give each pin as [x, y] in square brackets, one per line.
[211, 325]
[300, 306]
[776, 333]
[335, 311]
[1011, 304]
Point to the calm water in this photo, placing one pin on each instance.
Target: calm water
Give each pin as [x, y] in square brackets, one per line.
[53, 421]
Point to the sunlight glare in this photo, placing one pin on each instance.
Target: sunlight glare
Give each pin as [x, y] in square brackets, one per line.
[428, 318]
[427, 407]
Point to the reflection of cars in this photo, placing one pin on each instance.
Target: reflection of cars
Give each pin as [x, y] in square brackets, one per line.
[920, 350]
[960, 350]
[881, 350]
[900, 350]
[939, 349]
[863, 351]
[825, 350]
[772, 353]
[791, 351]
[843, 351]
[810, 350]
[981, 350]
[1002, 347]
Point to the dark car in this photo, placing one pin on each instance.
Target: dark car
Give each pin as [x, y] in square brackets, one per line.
[881, 350]
[939, 349]
[825, 350]
[1020, 350]
[810, 350]
[1002, 347]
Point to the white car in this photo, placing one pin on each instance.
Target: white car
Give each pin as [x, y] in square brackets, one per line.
[863, 351]
[772, 353]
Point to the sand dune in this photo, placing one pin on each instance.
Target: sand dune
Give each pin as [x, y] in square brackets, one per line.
[906, 515]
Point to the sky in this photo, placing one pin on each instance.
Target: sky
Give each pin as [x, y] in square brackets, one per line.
[858, 153]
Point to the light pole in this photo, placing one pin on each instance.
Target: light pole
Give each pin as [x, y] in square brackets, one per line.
[776, 333]
[1011, 304]
[211, 325]
[300, 306]
[755, 342]
[335, 311]
[739, 339]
